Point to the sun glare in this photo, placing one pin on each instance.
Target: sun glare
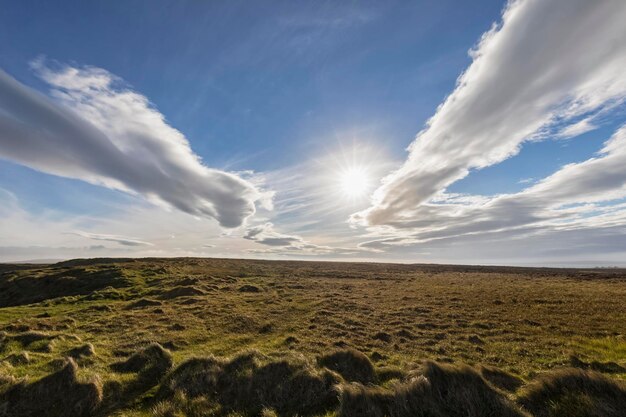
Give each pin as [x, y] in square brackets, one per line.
[354, 182]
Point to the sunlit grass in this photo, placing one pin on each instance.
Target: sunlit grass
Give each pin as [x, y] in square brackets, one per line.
[397, 315]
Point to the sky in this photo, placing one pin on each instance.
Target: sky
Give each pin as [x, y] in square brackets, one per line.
[485, 132]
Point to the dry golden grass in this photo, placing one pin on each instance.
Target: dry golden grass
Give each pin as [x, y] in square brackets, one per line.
[316, 327]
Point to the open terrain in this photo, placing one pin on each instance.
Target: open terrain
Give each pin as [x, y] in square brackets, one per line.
[218, 337]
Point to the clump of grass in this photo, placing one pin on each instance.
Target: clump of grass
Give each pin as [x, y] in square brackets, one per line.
[82, 351]
[189, 281]
[180, 405]
[29, 337]
[194, 377]
[389, 373]
[35, 341]
[351, 364]
[268, 412]
[250, 381]
[606, 367]
[475, 340]
[500, 378]
[108, 293]
[439, 390]
[574, 393]
[5, 380]
[150, 363]
[59, 394]
[143, 302]
[181, 291]
[383, 337]
[16, 359]
[249, 288]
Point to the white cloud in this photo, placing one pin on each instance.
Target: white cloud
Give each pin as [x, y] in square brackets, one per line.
[580, 196]
[100, 132]
[266, 235]
[44, 233]
[281, 243]
[548, 63]
[578, 128]
[122, 240]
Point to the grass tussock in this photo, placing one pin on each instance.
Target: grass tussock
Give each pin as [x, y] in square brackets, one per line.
[181, 405]
[16, 359]
[250, 382]
[606, 367]
[5, 380]
[27, 338]
[82, 351]
[500, 378]
[437, 391]
[143, 302]
[352, 365]
[574, 393]
[181, 291]
[60, 394]
[150, 363]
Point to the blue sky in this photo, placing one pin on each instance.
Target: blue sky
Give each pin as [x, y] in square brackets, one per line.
[279, 120]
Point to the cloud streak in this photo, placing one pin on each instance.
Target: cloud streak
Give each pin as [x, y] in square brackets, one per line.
[122, 240]
[265, 234]
[547, 64]
[103, 133]
[573, 198]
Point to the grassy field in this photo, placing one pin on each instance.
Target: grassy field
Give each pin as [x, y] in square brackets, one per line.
[216, 337]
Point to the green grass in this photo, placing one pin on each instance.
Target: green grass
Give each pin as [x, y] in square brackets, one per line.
[523, 321]
[604, 349]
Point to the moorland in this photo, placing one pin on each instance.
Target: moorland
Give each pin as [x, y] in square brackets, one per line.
[224, 337]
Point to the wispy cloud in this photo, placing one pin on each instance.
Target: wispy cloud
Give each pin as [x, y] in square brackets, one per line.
[265, 234]
[547, 63]
[578, 128]
[122, 240]
[573, 198]
[101, 132]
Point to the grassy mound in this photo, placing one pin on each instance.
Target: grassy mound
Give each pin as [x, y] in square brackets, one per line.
[26, 338]
[82, 351]
[608, 367]
[143, 302]
[250, 382]
[32, 340]
[500, 378]
[181, 291]
[150, 364]
[351, 364]
[437, 391]
[57, 395]
[17, 359]
[574, 393]
[27, 287]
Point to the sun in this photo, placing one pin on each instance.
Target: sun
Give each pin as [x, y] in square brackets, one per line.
[354, 182]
